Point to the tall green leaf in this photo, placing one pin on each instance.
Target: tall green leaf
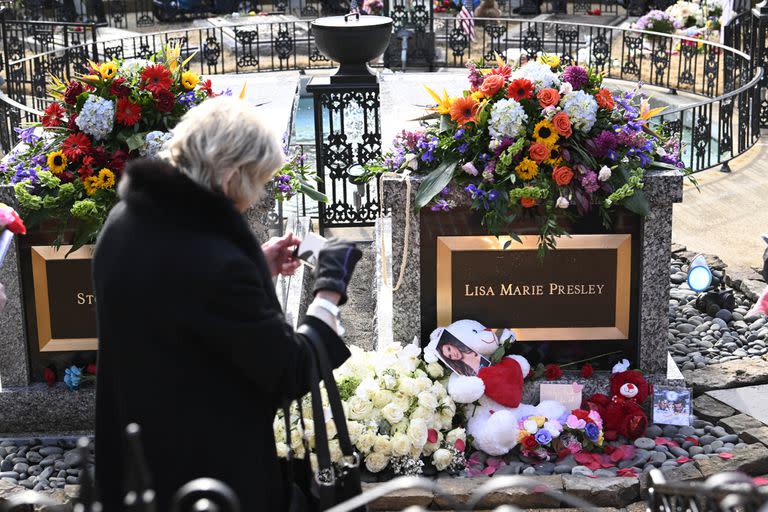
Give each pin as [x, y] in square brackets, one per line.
[637, 203]
[436, 181]
[312, 193]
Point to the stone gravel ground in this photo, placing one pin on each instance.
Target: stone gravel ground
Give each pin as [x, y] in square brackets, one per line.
[698, 339]
[41, 464]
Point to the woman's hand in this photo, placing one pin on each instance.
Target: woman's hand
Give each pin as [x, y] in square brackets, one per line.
[279, 254]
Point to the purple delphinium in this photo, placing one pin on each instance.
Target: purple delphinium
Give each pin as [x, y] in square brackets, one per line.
[428, 146]
[504, 143]
[187, 99]
[22, 174]
[459, 134]
[481, 199]
[603, 144]
[475, 77]
[283, 184]
[463, 148]
[27, 135]
[577, 76]
[441, 205]
[590, 182]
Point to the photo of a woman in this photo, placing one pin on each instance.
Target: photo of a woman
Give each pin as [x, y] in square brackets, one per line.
[459, 357]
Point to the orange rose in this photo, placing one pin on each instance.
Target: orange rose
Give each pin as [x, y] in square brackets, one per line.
[528, 202]
[562, 124]
[539, 151]
[491, 85]
[562, 175]
[548, 97]
[605, 99]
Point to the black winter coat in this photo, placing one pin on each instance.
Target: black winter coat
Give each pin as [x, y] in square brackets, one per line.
[193, 345]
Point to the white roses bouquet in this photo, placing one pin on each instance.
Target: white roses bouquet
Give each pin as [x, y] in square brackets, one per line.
[398, 411]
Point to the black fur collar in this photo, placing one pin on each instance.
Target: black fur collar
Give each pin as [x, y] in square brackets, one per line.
[159, 189]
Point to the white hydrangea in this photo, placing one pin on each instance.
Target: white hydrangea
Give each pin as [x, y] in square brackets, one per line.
[153, 143]
[581, 109]
[132, 67]
[540, 74]
[507, 119]
[97, 117]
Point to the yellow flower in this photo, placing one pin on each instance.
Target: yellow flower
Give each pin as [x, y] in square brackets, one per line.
[555, 158]
[108, 70]
[479, 96]
[443, 104]
[91, 184]
[522, 434]
[600, 439]
[172, 52]
[106, 178]
[527, 169]
[545, 132]
[189, 80]
[646, 112]
[539, 420]
[57, 162]
[550, 59]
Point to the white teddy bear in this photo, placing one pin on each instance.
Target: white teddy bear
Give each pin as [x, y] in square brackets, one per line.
[492, 397]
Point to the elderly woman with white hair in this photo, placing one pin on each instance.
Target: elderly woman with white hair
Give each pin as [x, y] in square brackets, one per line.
[193, 345]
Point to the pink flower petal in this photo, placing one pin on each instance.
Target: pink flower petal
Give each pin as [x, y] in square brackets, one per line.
[460, 445]
[760, 481]
[488, 471]
[725, 455]
[431, 436]
[683, 460]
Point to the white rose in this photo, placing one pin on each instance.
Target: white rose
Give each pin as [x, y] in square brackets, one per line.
[411, 351]
[383, 445]
[553, 428]
[417, 432]
[442, 459]
[531, 426]
[411, 161]
[296, 439]
[424, 383]
[439, 390]
[355, 430]
[330, 429]
[428, 400]
[335, 449]
[408, 386]
[389, 381]
[407, 364]
[454, 435]
[565, 88]
[448, 406]
[359, 408]
[415, 453]
[393, 413]
[400, 428]
[435, 370]
[365, 442]
[282, 450]
[401, 445]
[427, 415]
[381, 398]
[376, 462]
[605, 173]
[367, 388]
[562, 203]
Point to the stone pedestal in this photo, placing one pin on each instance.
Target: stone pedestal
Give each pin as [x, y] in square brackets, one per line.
[662, 188]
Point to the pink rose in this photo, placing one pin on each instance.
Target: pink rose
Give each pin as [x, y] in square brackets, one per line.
[575, 423]
[470, 168]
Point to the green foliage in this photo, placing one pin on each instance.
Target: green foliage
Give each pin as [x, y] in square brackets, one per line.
[435, 182]
[348, 387]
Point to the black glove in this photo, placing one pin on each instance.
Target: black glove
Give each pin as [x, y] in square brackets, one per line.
[335, 265]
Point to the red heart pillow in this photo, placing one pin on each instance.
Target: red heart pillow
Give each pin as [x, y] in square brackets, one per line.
[503, 382]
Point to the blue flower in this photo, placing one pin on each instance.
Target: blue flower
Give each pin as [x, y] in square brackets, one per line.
[27, 135]
[188, 99]
[72, 377]
[543, 436]
[459, 134]
[593, 432]
[441, 205]
[463, 148]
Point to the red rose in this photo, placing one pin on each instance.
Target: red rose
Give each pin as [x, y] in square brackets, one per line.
[529, 443]
[165, 100]
[73, 90]
[586, 371]
[492, 85]
[119, 158]
[71, 123]
[118, 88]
[553, 371]
[581, 414]
[91, 369]
[50, 376]
[548, 97]
[562, 124]
[528, 202]
[539, 151]
[562, 175]
[100, 156]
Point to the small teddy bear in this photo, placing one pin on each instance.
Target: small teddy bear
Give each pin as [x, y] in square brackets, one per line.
[622, 412]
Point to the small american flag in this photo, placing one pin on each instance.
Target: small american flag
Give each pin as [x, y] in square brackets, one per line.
[467, 20]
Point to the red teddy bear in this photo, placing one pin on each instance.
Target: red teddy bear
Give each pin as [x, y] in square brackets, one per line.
[622, 412]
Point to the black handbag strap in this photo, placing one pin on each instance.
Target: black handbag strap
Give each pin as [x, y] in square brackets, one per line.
[334, 399]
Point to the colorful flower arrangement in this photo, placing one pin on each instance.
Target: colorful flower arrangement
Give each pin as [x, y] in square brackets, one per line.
[658, 21]
[399, 414]
[295, 177]
[69, 167]
[552, 438]
[541, 141]
[701, 16]
[74, 376]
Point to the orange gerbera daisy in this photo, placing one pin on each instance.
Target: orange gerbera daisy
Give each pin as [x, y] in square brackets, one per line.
[464, 109]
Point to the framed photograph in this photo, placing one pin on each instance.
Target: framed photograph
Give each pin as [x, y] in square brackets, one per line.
[310, 248]
[459, 357]
[672, 406]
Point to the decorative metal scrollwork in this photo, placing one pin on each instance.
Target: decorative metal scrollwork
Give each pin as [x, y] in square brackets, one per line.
[687, 55]
[660, 62]
[726, 127]
[399, 16]
[494, 34]
[113, 52]
[246, 40]
[458, 42]
[310, 11]
[568, 39]
[316, 56]
[283, 44]
[337, 155]
[145, 51]
[420, 18]
[211, 51]
[634, 48]
[601, 51]
[532, 43]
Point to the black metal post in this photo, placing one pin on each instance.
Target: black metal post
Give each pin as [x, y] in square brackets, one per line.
[759, 58]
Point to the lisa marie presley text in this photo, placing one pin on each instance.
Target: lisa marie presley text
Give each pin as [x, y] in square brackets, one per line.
[532, 289]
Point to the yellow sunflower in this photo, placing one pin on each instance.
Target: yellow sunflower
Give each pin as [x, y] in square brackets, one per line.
[91, 184]
[108, 70]
[550, 59]
[106, 178]
[555, 158]
[189, 80]
[57, 162]
[527, 169]
[545, 132]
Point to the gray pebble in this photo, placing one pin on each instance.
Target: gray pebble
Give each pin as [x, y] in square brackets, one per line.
[653, 431]
[51, 450]
[695, 450]
[34, 457]
[729, 438]
[563, 469]
[6, 465]
[645, 443]
[657, 458]
[716, 444]
[582, 471]
[707, 439]
[21, 467]
[9, 474]
[677, 451]
[529, 471]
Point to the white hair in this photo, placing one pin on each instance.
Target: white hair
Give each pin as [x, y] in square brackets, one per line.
[224, 136]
